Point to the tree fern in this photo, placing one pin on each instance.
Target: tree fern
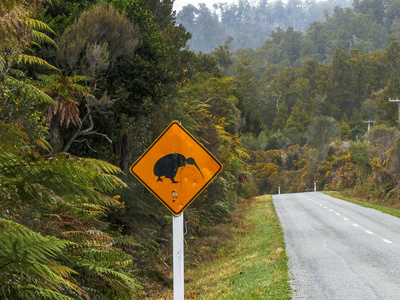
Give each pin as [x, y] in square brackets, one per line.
[27, 265]
[51, 246]
[69, 193]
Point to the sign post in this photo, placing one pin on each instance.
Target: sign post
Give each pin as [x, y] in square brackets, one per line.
[178, 257]
[176, 168]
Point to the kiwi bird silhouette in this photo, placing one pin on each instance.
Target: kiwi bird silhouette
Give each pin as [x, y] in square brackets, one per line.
[168, 165]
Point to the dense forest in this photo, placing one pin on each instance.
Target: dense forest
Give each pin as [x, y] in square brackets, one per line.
[86, 86]
[249, 23]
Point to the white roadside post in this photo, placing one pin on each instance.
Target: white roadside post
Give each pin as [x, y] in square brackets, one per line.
[279, 190]
[315, 186]
[178, 257]
[398, 110]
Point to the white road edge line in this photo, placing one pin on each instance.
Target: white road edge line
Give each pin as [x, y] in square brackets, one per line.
[369, 232]
[338, 214]
[386, 241]
[345, 219]
[355, 225]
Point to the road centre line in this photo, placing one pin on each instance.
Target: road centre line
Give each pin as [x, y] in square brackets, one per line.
[346, 219]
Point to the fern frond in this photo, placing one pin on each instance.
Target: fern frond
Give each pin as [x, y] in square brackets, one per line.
[104, 166]
[29, 91]
[125, 240]
[29, 292]
[17, 73]
[62, 175]
[27, 257]
[60, 270]
[32, 60]
[11, 136]
[91, 237]
[39, 25]
[40, 38]
[106, 257]
[43, 293]
[43, 144]
[127, 281]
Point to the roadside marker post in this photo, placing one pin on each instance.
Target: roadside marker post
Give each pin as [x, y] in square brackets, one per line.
[279, 190]
[176, 168]
[178, 258]
[315, 186]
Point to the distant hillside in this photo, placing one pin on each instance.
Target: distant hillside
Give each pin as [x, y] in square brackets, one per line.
[250, 24]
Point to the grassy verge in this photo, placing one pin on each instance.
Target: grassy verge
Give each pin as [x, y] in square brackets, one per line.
[387, 210]
[251, 265]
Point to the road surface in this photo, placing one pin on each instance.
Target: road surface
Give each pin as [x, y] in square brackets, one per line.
[339, 250]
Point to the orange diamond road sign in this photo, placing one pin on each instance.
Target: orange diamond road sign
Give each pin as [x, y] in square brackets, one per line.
[176, 168]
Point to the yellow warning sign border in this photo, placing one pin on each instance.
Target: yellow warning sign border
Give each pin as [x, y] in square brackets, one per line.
[176, 213]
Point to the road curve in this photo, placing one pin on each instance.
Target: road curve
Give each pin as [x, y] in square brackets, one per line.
[339, 250]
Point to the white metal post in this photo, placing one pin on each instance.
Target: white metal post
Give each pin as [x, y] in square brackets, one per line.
[398, 111]
[315, 186]
[279, 190]
[177, 233]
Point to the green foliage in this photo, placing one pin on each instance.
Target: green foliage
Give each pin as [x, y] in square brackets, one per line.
[68, 194]
[358, 153]
[321, 132]
[52, 245]
[99, 37]
[251, 142]
[360, 156]
[28, 268]
[286, 102]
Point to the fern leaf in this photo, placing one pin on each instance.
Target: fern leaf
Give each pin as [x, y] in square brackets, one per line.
[46, 293]
[29, 91]
[43, 144]
[60, 270]
[32, 60]
[40, 38]
[125, 240]
[39, 25]
[26, 252]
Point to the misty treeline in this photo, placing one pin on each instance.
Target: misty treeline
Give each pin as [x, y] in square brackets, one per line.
[249, 23]
[308, 101]
[86, 86]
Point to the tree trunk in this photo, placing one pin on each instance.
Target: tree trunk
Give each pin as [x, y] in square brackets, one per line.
[122, 150]
[55, 136]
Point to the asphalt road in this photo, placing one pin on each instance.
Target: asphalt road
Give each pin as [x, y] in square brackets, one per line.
[339, 250]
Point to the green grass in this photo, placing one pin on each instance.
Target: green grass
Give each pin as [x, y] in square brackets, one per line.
[387, 210]
[252, 265]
